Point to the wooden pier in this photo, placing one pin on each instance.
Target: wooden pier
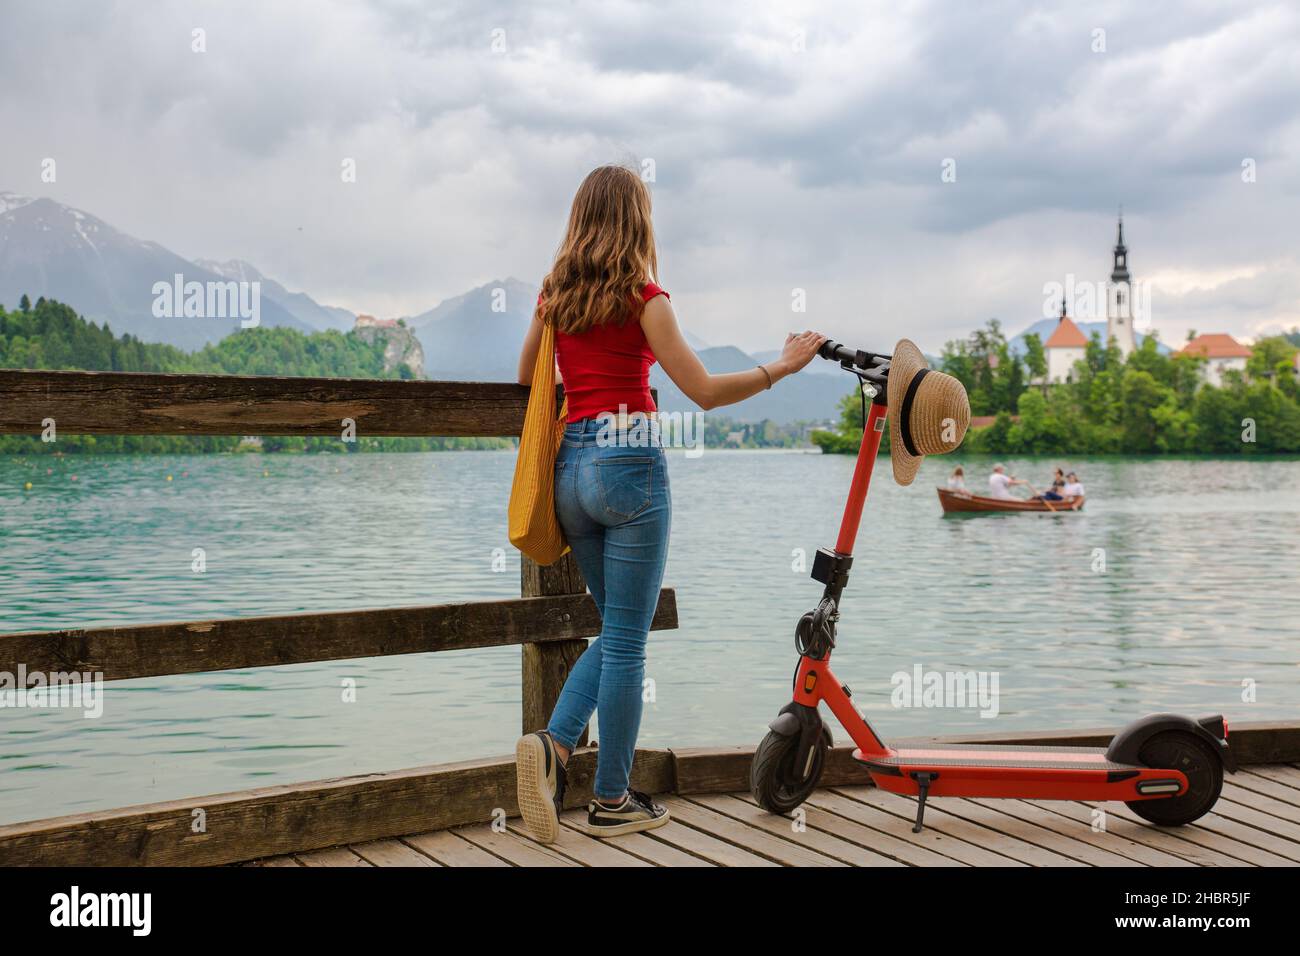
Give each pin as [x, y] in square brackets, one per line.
[1257, 823]
[464, 814]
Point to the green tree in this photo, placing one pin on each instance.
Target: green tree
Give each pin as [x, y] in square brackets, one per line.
[1035, 357]
[1141, 395]
[1272, 358]
[984, 363]
[847, 437]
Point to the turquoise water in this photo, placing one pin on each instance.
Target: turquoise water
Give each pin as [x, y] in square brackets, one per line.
[1199, 595]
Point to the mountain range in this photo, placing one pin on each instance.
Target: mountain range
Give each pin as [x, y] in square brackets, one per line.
[53, 250]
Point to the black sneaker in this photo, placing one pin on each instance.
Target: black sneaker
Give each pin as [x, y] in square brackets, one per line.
[540, 784]
[637, 812]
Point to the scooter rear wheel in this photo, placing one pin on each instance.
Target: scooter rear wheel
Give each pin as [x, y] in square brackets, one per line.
[772, 777]
[1180, 750]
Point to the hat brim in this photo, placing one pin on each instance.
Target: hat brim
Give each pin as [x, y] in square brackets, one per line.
[907, 360]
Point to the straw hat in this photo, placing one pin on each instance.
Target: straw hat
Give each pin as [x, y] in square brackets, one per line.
[928, 411]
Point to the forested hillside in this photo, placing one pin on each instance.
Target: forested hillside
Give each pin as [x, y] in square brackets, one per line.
[50, 335]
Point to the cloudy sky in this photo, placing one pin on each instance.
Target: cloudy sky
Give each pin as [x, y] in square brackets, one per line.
[793, 146]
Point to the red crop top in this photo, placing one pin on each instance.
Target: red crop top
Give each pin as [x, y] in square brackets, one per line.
[607, 366]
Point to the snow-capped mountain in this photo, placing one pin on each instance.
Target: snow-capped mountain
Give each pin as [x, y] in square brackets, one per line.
[10, 200]
[52, 250]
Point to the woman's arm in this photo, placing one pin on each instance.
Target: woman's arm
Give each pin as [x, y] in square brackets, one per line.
[688, 373]
[528, 354]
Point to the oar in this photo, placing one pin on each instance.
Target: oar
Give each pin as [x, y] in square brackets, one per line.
[1041, 498]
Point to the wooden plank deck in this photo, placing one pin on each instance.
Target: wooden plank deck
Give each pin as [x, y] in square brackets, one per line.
[1256, 823]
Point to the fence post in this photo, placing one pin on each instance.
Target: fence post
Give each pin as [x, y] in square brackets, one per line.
[546, 666]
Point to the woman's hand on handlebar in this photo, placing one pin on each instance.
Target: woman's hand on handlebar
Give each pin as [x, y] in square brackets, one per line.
[709, 391]
[798, 351]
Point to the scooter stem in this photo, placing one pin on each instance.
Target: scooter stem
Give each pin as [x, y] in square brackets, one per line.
[871, 435]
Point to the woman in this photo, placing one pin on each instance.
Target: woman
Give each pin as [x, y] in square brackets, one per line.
[612, 322]
[957, 480]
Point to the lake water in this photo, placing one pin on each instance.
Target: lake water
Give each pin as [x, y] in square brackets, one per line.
[1199, 596]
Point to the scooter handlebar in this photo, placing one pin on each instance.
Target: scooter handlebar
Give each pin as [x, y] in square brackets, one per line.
[853, 358]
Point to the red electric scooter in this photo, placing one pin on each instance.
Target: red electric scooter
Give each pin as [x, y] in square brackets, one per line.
[1167, 768]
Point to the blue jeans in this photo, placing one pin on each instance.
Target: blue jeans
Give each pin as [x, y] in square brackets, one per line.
[614, 506]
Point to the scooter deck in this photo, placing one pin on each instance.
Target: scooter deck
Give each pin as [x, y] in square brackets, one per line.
[994, 770]
[986, 755]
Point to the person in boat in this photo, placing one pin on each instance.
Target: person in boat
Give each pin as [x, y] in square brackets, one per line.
[1072, 488]
[1000, 483]
[1054, 493]
[957, 481]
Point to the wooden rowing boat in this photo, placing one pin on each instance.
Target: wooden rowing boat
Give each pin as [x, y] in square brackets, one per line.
[966, 503]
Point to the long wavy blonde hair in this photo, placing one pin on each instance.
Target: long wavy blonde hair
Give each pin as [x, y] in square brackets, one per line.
[607, 255]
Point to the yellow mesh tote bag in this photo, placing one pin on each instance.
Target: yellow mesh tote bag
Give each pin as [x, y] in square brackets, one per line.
[534, 529]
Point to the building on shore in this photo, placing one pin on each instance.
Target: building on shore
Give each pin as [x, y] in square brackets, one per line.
[370, 322]
[1068, 345]
[1222, 353]
[1065, 346]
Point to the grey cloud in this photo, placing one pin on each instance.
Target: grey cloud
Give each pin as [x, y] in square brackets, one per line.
[818, 168]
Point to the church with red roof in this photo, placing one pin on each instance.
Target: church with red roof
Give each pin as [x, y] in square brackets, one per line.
[1065, 346]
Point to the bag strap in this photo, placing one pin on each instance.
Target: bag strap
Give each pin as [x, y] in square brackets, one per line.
[544, 366]
[544, 374]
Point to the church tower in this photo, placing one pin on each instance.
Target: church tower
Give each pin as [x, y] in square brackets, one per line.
[1119, 299]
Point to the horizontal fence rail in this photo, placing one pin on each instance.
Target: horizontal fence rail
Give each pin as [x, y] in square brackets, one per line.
[153, 650]
[131, 403]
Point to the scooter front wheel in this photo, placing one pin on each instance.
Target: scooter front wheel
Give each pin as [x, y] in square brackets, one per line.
[777, 785]
[1180, 750]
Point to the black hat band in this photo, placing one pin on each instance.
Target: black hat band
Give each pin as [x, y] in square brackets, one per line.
[905, 415]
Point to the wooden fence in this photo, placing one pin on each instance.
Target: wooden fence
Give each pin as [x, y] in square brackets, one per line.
[551, 621]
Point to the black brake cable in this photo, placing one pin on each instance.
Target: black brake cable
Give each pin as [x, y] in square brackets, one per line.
[862, 394]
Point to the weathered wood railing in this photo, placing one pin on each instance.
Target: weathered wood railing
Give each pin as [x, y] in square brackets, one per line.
[552, 620]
